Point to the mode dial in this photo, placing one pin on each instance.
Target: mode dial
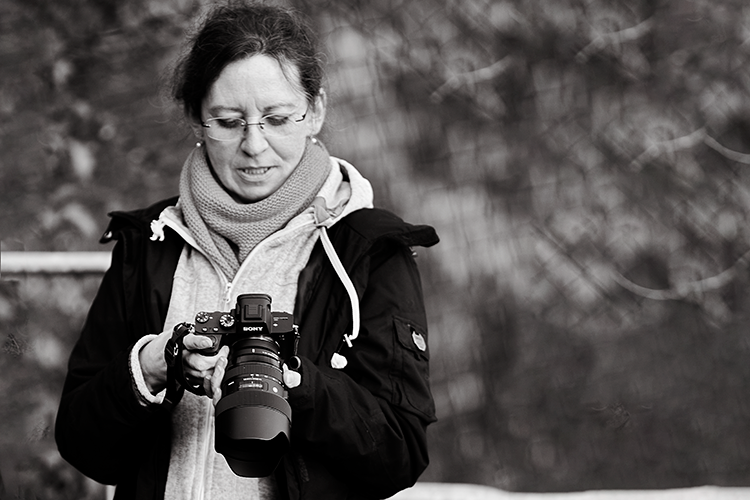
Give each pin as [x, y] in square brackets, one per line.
[226, 320]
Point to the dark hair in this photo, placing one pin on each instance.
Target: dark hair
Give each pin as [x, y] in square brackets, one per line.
[238, 30]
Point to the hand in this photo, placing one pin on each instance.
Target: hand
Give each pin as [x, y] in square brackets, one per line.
[291, 378]
[153, 365]
[203, 369]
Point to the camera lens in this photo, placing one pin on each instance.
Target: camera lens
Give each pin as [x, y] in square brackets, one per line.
[253, 418]
[254, 364]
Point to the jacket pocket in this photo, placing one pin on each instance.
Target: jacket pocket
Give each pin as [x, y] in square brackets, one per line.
[411, 376]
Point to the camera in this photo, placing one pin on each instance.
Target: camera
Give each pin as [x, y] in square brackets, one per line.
[253, 418]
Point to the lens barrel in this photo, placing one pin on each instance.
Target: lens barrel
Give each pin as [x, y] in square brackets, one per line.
[253, 418]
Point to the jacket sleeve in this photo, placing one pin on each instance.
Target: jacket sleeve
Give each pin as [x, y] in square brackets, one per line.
[101, 427]
[368, 422]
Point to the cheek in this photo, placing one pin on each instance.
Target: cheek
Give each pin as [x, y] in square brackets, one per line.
[291, 152]
[220, 159]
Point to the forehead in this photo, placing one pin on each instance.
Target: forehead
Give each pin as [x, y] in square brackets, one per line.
[256, 84]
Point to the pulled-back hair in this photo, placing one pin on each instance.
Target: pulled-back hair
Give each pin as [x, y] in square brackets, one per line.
[238, 30]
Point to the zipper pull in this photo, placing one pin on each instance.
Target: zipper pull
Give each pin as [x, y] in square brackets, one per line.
[227, 295]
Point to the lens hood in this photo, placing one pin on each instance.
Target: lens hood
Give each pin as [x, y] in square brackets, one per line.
[253, 431]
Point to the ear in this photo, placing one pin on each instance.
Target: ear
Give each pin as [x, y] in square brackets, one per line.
[318, 113]
[197, 129]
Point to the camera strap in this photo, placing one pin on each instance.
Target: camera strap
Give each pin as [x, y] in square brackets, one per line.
[173, 357]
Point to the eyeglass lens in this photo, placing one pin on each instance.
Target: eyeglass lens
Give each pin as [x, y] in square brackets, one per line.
[227, 129]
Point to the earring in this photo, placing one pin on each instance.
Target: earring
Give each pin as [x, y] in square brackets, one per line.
[198, 144]
[313, 140]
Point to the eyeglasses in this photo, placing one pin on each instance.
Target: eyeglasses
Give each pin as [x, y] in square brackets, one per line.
[227, 129]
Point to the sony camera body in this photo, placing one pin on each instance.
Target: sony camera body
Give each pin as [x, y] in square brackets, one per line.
[253, 418]
[251, 317]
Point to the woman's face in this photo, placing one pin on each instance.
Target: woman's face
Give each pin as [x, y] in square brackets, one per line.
[254, 166]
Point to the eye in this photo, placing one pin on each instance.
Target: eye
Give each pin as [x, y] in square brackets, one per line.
[230, 123]
[275, 120]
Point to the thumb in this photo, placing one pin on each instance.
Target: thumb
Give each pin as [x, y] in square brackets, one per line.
[291, 378]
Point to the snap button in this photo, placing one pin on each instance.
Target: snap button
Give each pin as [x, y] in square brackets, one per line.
[418, 340]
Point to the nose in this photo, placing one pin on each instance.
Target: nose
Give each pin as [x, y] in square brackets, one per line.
[253, 141]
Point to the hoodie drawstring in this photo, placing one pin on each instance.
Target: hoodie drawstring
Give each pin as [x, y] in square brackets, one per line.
[322, 214]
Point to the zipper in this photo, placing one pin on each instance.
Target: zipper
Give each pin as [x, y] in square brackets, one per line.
[208, 427]
[228, 292]
[208, 444]
[188, 238]
[229, 288]
[228, 295]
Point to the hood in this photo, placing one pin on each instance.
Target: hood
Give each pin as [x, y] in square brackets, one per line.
[345, 191]
[354, 192]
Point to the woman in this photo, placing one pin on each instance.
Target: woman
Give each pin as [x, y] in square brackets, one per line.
[262, 208]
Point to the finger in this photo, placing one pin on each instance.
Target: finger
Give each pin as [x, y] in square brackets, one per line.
[193, 342]
[291, 378]
[200, 362]
[208, 385]
[196, 364]
[217, 378]
[198, 367]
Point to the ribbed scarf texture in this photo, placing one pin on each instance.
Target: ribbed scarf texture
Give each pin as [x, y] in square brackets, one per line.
[227, 230]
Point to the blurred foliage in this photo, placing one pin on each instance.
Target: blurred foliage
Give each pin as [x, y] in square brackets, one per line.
[584, 161]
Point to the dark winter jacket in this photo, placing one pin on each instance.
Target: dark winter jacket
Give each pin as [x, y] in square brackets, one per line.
[359, 432]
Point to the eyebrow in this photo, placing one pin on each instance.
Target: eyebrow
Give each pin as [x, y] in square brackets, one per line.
[217, 110]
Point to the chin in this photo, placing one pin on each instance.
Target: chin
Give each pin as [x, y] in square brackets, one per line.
[251, 197]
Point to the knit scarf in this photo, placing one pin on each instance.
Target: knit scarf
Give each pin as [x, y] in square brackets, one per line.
[227, 230]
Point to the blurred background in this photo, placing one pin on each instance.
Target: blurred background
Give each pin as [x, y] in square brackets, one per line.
[585, 162]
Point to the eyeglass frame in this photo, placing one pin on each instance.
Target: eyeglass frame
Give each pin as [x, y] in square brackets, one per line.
[260, 124]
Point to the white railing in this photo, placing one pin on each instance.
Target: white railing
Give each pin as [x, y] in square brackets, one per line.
[53, 262]
[456, 491]
[450, 491]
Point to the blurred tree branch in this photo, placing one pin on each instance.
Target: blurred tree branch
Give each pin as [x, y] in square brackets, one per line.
[732, 155]
[686, 142]
[471, 78]
[657, 149]
[685, 290]
[616, 38]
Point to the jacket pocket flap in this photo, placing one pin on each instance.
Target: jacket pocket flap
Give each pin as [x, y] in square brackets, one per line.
[411, 372]
[411, 336]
